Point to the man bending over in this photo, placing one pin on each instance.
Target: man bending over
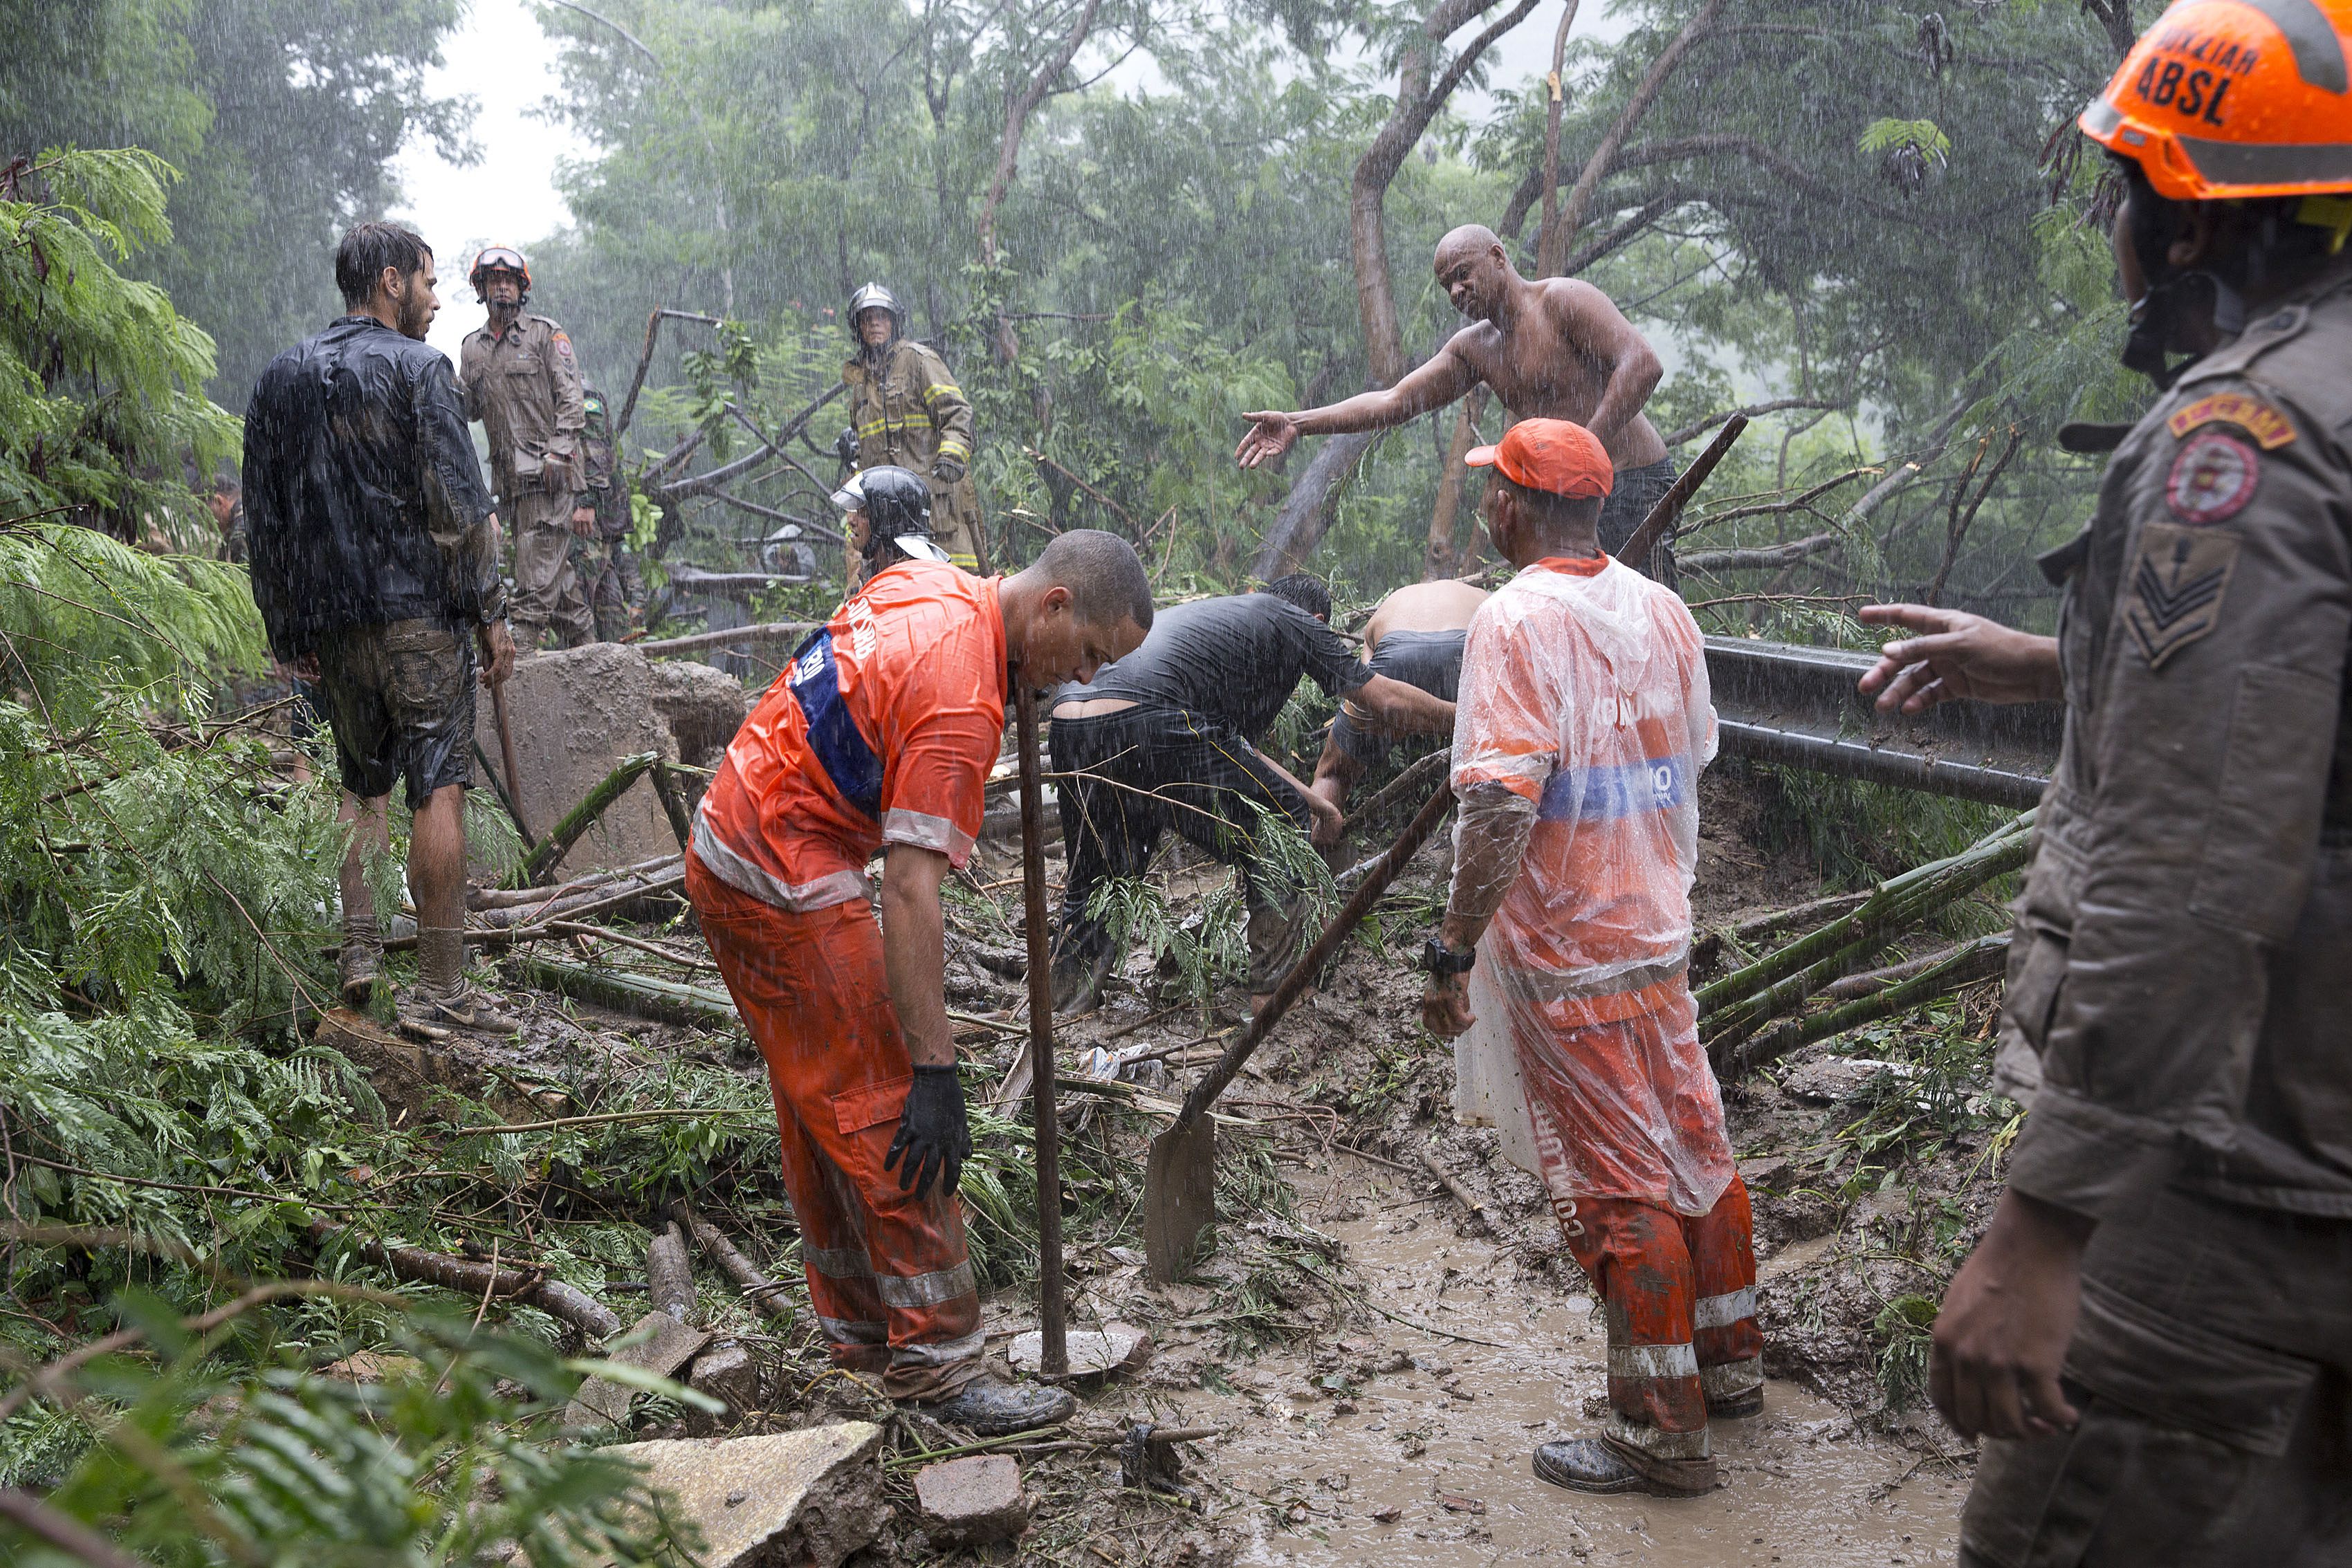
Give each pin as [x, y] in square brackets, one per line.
[1415, 636]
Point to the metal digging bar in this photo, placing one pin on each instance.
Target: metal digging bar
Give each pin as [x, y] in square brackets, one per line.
[1051, 1327]
[1179, 1185]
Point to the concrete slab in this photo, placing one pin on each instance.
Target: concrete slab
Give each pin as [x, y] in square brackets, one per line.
[810, 1496]
[670, 1345]
[1094, 1352]
[972, 1502]
[578, 713]
[729, 1372]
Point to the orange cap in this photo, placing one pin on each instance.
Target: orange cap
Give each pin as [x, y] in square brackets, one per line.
[1554, 454]
[2227, 98]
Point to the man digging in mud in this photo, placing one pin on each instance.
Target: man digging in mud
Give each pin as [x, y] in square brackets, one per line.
[375, 567]
[1583, 724]
[879, 738]
[1415, 636]
[1168, 738]
[1553, 348]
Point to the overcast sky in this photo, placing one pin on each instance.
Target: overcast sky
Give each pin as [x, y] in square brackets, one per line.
[502, 59]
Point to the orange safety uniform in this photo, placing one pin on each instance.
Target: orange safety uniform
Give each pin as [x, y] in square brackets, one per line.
[1584, 691]
[882, 730]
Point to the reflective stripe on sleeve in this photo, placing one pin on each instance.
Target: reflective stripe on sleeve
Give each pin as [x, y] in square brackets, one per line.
[901, 826]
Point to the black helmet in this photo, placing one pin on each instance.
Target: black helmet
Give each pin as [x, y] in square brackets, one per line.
[500, 258]
[874, 296]
[898, 506]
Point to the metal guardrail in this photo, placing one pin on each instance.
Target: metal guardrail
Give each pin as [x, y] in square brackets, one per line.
[1775, 702]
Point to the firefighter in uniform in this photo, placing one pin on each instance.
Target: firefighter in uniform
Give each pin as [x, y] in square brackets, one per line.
[600, 556]
[878, 739]
[907, 411]
[522, 382]
[2154, 1335]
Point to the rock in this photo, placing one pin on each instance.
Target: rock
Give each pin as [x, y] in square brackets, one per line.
[703, 707]
[974, 1500]
[1094, 1352]
[810, 1496]
[728, 1372]
[668, 1347]
[1835, 1079]
[577, 715]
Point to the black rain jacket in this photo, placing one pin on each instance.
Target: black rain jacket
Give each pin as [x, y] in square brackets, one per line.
[364, 504]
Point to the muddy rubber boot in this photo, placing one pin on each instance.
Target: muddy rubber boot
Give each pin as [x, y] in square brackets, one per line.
[990, 1407]
[1598, 1466]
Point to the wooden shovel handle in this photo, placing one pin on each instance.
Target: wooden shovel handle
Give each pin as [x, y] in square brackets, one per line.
[1302, 974]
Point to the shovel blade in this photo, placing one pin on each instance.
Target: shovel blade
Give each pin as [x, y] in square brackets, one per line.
[1179, 1198]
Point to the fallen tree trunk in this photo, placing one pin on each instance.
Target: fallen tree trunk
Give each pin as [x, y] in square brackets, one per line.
[1764, 557]
[1740, 1003]
[470, 1277]
[663, 1002]
[767, 1295]
[669, 1278]
[703, 642]
[1950, 970]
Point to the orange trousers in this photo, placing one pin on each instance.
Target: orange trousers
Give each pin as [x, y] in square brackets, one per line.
[1680, 1298]
[888, 1273]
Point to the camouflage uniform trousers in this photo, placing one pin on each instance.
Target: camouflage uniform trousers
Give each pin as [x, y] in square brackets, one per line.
[547, 590]
[608, 576]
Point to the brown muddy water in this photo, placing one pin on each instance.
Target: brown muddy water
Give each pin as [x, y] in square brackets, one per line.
[1399, 1446]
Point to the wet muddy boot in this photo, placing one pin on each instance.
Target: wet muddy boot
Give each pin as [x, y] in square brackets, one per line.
[442, 998]
[360, 964]
[1598, 1466]
[1736, 1406]
[1079, 981]
[991, 1408]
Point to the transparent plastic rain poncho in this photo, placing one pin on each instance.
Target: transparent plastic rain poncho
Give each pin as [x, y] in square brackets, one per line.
[1581, 727]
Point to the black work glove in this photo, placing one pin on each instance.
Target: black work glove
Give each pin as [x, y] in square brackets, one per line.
[947, 470]
[934, 1132]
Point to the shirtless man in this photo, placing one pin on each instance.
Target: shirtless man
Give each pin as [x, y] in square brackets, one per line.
[1554, 349]
[1415, 636]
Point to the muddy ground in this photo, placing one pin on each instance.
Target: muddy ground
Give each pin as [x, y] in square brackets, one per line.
[1376, 1360]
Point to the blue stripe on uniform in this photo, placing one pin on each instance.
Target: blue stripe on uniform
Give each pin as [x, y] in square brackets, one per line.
[840, 750]
[1605, 794]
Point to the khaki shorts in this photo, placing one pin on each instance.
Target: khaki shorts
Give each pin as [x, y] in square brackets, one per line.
[400, 698]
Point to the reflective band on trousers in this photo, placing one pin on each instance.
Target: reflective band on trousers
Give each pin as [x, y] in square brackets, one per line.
[1722, 1311]
[1652, 1360]
[895, 1290]
[1650, 1440]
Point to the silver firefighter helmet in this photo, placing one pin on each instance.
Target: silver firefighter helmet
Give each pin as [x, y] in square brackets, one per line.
[874, 296]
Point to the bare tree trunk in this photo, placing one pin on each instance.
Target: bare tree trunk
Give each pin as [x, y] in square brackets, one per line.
[1445, 520]
[1008, 153]
[1597, 166]
[1549, 250]
[1299, 527]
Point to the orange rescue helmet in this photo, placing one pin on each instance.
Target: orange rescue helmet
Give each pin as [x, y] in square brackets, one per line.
[2234, 98]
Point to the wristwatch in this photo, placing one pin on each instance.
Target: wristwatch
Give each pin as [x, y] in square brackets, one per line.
[1441, 960]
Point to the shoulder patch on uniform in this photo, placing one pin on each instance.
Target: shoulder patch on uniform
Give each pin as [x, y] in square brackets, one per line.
[2258, 418]
[2173, 595]
[2213, 477]
[562, 344]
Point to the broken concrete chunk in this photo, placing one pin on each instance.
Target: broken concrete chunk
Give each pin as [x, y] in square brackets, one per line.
[1835, 1079]
[577, 715]
[974, 1500]
[811, 1497]
[728, 1372]
[702, 705]
[1094, 1352]
[670, 1346]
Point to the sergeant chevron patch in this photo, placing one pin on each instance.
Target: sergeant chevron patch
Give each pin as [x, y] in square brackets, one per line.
[2174, 594]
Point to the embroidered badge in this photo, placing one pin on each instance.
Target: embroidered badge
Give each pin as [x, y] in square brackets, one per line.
[563, 345]
[2174, 594]
[2258, 418]
[2213, 476]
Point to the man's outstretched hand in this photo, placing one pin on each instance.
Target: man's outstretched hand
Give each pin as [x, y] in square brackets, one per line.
[1957, 655]
[1271, 435]
[2001, 1337]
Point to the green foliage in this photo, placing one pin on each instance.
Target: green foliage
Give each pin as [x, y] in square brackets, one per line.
[1903, 1330]
[100, 378]
[206, 1456]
